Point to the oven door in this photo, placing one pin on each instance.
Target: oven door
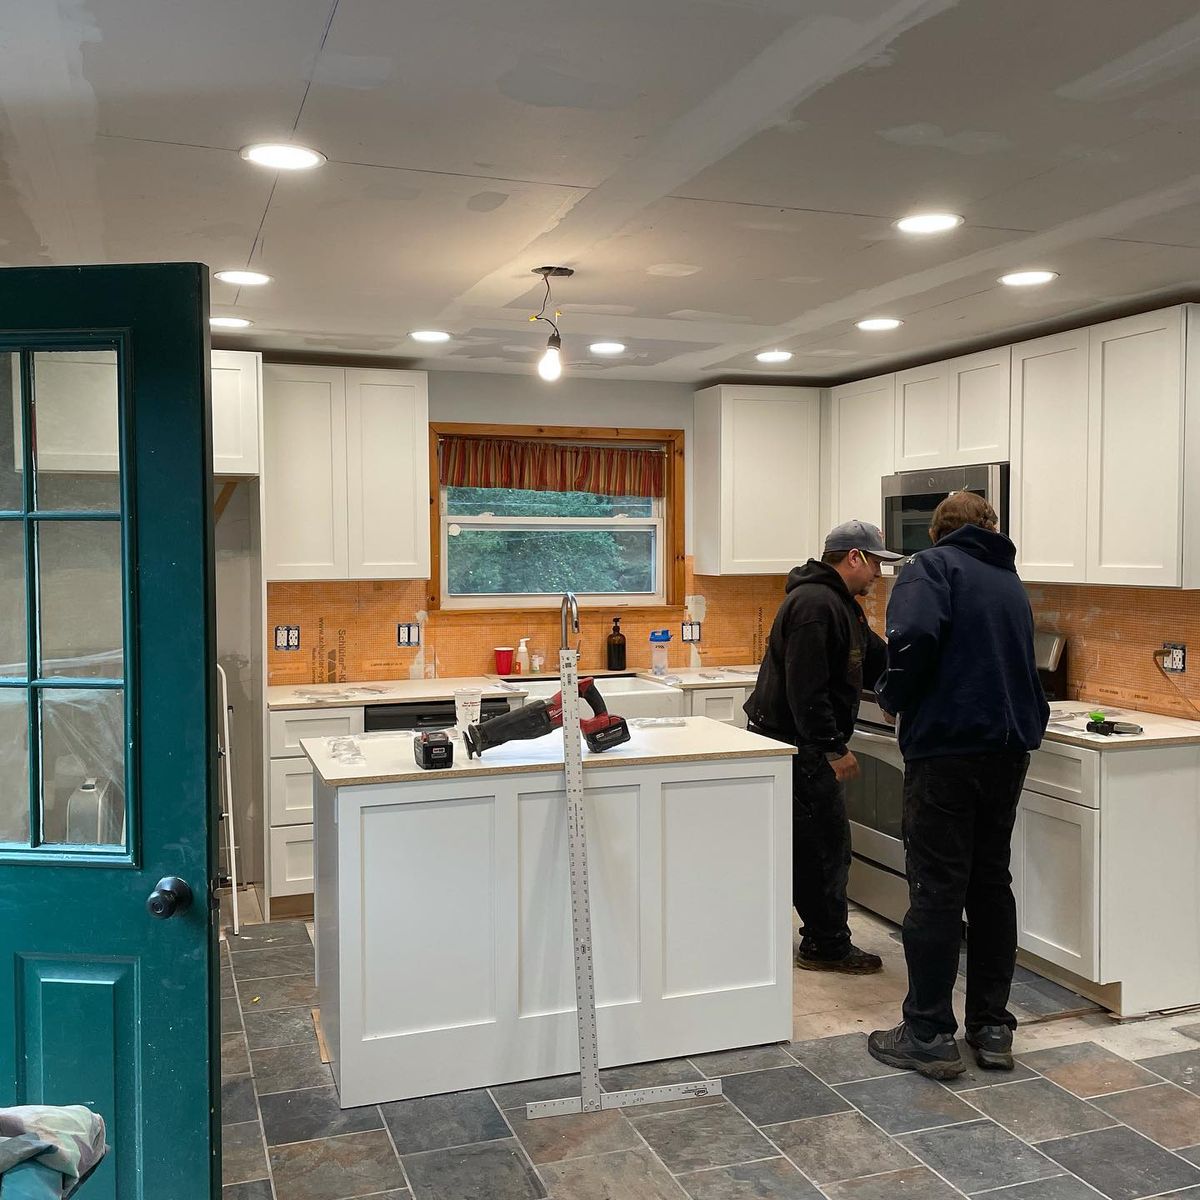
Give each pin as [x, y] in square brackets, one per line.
[875, 805]
[910, 498]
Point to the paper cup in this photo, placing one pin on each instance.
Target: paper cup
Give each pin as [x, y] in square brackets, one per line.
[504, 657]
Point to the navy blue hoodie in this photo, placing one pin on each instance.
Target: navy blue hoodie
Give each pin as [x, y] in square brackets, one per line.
[961, 671]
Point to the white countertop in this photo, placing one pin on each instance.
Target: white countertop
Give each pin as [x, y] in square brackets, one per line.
[1068, 721]
[690, 678]
[381, 691]
[388, 757]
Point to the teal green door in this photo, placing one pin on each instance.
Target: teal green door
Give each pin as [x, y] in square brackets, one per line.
[107, 715]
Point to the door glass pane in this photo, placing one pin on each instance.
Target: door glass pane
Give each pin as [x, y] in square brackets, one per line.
[76, 423]
[13, 647]
[889, 799]
[83, 767]
[80, 598]
[11, 453]
[14, 765]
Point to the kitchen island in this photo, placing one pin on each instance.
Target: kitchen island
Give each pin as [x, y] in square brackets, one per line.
[444, 952]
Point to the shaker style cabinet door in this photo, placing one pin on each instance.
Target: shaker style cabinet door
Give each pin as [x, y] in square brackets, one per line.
[862, 448]
[236, 388]
[923, 417]
[977, 395]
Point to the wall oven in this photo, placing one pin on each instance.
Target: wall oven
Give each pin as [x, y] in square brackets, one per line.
[910, 497]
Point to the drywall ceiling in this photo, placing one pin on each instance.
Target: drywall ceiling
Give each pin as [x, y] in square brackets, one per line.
[723, 175]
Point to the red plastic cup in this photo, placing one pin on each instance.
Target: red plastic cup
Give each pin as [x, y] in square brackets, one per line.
[504, 655]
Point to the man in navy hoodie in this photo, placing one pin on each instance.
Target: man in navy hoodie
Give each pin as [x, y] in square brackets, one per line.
[961, 675]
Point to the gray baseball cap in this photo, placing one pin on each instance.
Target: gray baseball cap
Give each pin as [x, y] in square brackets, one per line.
[860, 535]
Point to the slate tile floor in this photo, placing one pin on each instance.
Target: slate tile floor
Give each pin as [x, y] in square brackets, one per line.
[817, 1119]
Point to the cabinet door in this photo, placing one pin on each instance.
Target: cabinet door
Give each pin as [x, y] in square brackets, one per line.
[862, 448]
[291, 799]
[236, 386]
[304, 472]
[76, 399]
[720, 704]
[923, 417]
[291, 871]
[288, 726]
[1056, 882]
[978, 387]
[1135, 456]
[1048, 510]
[387, 474]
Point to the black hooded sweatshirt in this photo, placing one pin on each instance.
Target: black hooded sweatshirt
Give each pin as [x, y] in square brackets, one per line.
[811, 678]
[961, 668]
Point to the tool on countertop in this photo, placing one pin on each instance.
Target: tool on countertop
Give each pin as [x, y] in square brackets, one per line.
[1099, 723]
[602, 730]
[433, 749]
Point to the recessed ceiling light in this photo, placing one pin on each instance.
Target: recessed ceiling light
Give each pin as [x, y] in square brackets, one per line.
[243, 278]
[872, 324]
[229, 323]
[774, 356]
[282, 156]
[934, 222]
[429, 335]
[607, 347]
[1027, 278]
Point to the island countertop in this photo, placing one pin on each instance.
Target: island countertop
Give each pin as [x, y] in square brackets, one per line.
[1068, 725]
[356, 759]
[383, 691]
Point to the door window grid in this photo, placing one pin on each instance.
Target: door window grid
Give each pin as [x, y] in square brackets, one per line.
[38, 689]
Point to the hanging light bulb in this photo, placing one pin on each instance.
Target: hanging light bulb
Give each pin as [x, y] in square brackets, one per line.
[550, 364]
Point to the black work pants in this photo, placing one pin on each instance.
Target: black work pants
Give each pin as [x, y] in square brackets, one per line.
[820, 856]
[959, 813]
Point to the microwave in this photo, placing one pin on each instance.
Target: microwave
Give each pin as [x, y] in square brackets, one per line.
[910, 497]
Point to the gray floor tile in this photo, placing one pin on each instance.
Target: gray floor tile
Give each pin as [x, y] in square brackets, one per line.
[840, 1059]
[1086, 1069]
[915, 1183]
[695, 1138]
[1182, 1068]
[1191, 1153]
[1192, 1031]
[271, 964]
[783, 1094]
[283, 1027]
[623, 1175]
[651, 1074]
[287, 1068]
[530, 1091]
[1038, 1109]
[1166, 1114]
[313, 1113]
[1122, 1164]
[1061, 1187]
[976, 1077]
[358, 1164]
[842, 1146]
[1045, 998]
[234, 1059]
[272, 935]
[902, 1103]
[734, 1062]
[242, 1156]
[576, 1135]
[774, 1179]
[227, 988]
[289, 991]
[259, 1190]
[439, 1122]
[231, 1017]
[980, 1156]
[237, 1101]
[489, 1171]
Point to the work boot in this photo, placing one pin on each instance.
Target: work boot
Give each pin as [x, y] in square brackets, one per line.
[900, 1047]
[853, 962]
[993, 1047]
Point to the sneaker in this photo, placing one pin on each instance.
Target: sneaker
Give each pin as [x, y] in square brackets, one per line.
[900, 1047]
[853, 962]
[993, 1047]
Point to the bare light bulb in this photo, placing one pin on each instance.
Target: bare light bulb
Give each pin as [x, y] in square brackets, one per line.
[550, 364]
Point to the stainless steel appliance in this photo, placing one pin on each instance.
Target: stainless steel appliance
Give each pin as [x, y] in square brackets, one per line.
[910, 498]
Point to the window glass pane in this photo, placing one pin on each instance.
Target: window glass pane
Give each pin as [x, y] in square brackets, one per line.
[75, 418]
[80, 598]
[14, 766]
[83, 767]
[13, 649]
[544, 561]
[11, 454]
[521, 502]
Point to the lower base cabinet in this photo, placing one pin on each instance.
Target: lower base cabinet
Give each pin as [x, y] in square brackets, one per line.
[291, 860]
[720, 704]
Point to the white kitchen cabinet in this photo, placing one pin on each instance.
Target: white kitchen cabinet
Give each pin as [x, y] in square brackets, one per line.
[1135, 450]
[923, 417]
[862, 447]
[291, 862]
[291, 794]
[757, 479]
[236, 392]
[288, 726]
[1048, 509]
[724, 704]
[345, 473]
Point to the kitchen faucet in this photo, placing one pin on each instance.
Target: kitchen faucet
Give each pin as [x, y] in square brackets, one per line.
[571, 605]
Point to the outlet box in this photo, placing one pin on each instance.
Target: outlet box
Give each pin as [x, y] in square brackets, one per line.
[690, 631]
[1176, 657]
[408, 633]
[287, 637]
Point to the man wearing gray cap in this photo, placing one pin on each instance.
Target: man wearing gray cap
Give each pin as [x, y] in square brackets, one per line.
[808, 692]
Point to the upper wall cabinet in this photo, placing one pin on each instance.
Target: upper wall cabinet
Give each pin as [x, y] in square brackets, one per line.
[757, 479]
[862, 447]
[953, 413]
[345, 473]
[236, 388]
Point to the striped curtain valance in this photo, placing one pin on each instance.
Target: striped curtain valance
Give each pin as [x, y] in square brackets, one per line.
[547, 466]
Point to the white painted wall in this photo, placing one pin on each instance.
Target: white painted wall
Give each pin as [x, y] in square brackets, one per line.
[525, 400]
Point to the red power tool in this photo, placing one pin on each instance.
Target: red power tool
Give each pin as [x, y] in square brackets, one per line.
[602, 730]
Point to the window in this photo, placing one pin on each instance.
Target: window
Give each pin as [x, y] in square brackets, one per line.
[523, 546]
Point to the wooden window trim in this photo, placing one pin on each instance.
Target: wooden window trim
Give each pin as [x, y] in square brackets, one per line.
[671, 439]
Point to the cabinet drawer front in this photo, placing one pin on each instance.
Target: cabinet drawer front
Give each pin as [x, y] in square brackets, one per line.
[292, 860]
[287, 728]
[291, 791]
[1065, 773]
[721, 704]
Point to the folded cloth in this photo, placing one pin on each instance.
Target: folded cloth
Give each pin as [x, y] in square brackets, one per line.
[70, 1139]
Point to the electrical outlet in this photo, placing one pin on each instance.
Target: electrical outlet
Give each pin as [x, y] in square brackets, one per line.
[690, 631]
[281, 632]
[401, 634]
[408, 633]
[293, 637]
[1176, 657]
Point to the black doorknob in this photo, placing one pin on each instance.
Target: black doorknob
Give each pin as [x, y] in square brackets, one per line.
[170, 896]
